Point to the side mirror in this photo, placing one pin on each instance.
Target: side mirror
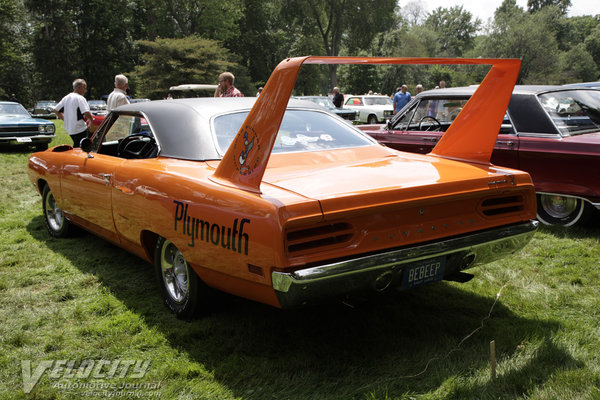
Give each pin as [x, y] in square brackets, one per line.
[86, 145]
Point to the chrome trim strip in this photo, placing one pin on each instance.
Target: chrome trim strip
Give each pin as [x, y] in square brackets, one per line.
[6, 138]
[337, 279]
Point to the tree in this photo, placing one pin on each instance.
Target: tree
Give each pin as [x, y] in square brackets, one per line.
[455, 28]
[592, 45]
[530, 37]
[264, 41]
[577, 65]
[170, 62]
[537, 5]
[79, 39]
[351, 22]
[14, 66]
[207, 18]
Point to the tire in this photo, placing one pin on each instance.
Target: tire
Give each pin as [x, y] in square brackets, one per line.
[180, 286]
[56, 223]
[554, 209]
[372, 119]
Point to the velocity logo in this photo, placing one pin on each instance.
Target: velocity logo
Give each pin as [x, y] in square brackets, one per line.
[71, 369]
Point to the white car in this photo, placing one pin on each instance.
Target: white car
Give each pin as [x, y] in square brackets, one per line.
[371, 109]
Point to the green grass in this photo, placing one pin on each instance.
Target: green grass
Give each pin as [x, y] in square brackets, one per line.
[85, 299]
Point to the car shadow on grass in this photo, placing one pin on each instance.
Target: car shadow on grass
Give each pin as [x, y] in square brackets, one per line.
[385, 346]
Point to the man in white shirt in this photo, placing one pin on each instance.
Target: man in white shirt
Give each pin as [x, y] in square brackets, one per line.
[72, 109]
[118, 97]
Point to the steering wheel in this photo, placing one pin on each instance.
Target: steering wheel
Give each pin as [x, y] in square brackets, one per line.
[430, 127]
[138, 145]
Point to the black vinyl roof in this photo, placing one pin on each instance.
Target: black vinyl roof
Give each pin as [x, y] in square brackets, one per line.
[182, 126]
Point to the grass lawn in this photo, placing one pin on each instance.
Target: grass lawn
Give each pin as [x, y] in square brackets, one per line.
[88, 303]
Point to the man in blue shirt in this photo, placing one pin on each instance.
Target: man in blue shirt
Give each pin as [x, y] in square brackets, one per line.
[401, 98]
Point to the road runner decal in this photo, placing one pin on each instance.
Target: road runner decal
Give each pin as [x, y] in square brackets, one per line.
[231, 238]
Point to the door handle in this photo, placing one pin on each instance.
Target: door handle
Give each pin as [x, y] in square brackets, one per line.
[506, 142]
[106, 178]
[430, 139]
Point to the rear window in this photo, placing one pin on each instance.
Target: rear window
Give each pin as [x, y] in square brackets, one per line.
[300, 130]
[573, 112]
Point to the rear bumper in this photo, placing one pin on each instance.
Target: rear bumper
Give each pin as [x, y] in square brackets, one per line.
[383, 270]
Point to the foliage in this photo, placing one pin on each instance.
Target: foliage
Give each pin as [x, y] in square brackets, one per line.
[13, 57]
[170, 62]
[455, 29]
[537, 5]
[45, 45]
[336, 23]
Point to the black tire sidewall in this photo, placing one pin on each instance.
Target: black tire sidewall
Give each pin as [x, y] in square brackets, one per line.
[65, 229]
[188, 308]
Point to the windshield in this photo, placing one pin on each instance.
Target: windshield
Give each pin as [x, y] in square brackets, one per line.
[13, 109]
[573, 112]
[45, 104]
[300, 130]
[378, 101]
[428, 111]
[322, 101]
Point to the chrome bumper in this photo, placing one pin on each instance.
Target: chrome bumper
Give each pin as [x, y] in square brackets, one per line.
[383, 270]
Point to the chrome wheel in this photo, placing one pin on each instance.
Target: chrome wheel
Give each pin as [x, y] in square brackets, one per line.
[56, 223]
[174, 270]
[54, 214]
[555, 209]
[184, 293]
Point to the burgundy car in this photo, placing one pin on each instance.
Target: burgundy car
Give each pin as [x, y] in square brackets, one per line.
[552, 132]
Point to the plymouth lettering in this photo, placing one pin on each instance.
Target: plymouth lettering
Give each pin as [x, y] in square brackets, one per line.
[229, 237]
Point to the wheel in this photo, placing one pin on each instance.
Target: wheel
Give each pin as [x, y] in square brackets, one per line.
[56, 223]
[554, 209]
[436, 126]
[179, 284]
[372, 119]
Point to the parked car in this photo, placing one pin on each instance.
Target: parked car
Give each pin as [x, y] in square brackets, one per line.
[589, 85]
[552, 132]
[193, 90]
[327, 103]
[43, 109]
[18, 127]
[282, 202]
[97, 107]
[371, 109]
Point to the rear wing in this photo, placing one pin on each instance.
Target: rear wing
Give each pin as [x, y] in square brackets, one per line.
[471, 137]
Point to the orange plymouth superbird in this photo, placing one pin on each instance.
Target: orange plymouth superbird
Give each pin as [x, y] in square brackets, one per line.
[282, 202]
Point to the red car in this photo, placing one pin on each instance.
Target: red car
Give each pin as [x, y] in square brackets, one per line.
[552, 132]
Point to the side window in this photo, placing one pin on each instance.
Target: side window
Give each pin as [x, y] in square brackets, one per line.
[128, 136]
[404, 123]
[507, 127]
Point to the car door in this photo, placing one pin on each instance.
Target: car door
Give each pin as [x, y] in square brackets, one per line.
[86, 184]
[417, 130]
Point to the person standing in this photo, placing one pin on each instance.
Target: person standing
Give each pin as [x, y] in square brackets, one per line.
[13, 98]
[401, 98]
[72, 109]
[226, 88]
[118, 97]
[338, 98]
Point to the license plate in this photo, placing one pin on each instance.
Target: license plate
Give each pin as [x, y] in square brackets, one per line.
[423, 272]
[23, 140]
